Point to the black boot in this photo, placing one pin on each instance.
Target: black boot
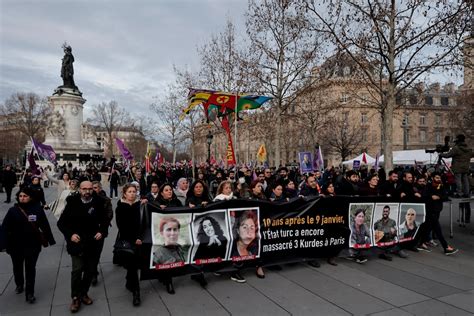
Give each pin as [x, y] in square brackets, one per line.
[199, 278]
[136, 298]
[170, 287]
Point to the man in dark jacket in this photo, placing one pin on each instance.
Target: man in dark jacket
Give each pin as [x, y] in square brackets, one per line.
[461, 155]
[435, 195]
[84, 223]
[349, 184]
[391, 187]
[9, 182]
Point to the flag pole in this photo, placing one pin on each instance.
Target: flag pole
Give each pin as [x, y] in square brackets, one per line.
[236, 144]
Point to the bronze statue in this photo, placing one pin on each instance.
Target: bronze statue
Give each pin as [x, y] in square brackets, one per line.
[67, 70]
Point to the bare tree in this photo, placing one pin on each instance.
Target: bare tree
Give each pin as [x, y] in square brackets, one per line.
[403, 40]
[111, 117]
[284, 54]
[342, 138]
[27, 113]
[170, 126]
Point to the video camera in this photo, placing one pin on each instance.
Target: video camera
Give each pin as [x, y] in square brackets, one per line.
[440, 148]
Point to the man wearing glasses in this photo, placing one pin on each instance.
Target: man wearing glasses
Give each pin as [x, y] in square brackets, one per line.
[84, 223]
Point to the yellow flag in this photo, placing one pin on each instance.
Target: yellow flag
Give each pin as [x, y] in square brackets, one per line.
[262, 153]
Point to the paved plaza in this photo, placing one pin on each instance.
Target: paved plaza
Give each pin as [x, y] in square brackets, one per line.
[423, 284]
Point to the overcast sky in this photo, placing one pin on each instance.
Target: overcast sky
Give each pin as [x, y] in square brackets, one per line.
[124, 50]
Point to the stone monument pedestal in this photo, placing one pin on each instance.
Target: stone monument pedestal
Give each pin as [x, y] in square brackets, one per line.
[65, 131]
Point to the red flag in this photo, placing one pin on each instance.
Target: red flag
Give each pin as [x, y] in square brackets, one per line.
[364, 158]
[222, 100]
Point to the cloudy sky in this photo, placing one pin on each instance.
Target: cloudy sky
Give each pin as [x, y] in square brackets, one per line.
[124, 50]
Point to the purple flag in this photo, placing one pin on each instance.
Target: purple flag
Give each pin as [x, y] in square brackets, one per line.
[123, 150]
[318, 159]
[32, 163]
[44, 151]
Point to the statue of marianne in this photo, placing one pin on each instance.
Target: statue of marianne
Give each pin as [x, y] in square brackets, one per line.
[67, 69]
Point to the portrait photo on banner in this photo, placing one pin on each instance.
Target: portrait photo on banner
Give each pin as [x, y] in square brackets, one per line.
[245, 233]
[360, 223]
[210, 237]
[412, 215]
[385, 227]
[306, 161]
[172, 242]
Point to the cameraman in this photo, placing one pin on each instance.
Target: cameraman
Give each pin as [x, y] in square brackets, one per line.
[461, 155]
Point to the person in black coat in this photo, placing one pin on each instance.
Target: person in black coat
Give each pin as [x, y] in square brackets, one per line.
[35, 186]
[197, 195]
[127, 216]
[84, 224]
[9, 182]
[22, 226]
[167, 197]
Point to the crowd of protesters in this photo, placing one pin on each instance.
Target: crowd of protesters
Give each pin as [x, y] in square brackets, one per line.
[85, 212]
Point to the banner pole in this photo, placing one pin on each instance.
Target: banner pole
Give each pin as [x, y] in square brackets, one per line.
[236, 145]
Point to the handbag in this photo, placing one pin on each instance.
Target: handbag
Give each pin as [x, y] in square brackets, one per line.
[123, 247]
[41, 236]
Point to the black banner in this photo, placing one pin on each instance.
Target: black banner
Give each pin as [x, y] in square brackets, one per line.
[241, 233]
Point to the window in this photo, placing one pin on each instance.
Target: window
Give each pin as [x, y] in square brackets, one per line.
[413, 100]
[344, 98]
[422, 119]
[363, 118]
[408, 135]
[437, 119]
[429, 100]
[445, 101]
[405, 121]
[422, 136]
[438, 137]
[363, 98]
[346, 116]
[346, 71]
[364, 137]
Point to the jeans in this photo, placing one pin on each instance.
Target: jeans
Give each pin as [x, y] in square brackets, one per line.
[462, 183]
[113, 188]
[25, 259]
[83, 270]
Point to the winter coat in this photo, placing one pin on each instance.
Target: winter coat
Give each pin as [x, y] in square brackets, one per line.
[19, 231]
[461, 155]
[85, 220]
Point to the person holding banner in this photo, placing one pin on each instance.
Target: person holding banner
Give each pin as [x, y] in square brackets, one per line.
[167, 198]
[127, 216]
[277, 195]
[197, 195]
[224, 191]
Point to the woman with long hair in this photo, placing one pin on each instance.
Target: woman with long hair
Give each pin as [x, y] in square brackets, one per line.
[212, 242]
[198, 194]
[127, 216]
[167, 197]
[224, 191]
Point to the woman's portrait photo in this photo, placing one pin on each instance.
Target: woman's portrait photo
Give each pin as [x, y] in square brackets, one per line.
[360, 217]
[411, 217]
[171, 239]
[245, 233]
[211, 236]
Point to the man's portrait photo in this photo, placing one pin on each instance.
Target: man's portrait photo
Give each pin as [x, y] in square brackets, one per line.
[385, 224]
[306, 162]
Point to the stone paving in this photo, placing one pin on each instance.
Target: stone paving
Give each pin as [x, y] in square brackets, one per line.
[423, 284]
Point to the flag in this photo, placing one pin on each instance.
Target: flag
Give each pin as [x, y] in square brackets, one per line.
[44, 151]
[376, 165]
[126, 154]
[318, 162]
[147, 159]
[364, 158]
[212, 161]
[262, 153]
[251, 102]
[31, 163]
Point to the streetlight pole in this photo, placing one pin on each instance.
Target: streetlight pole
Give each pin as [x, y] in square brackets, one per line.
[209, 138]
